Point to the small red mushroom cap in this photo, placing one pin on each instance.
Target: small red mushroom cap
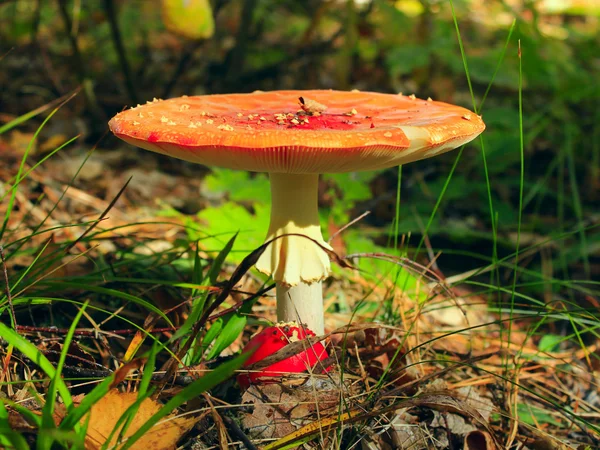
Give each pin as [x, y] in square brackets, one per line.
[273, 339]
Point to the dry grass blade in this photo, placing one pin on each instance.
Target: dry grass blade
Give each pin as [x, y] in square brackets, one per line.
[102, 216]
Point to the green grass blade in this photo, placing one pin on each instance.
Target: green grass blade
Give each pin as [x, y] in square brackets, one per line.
[234, 325]
[31, 114]
[499, 64]
[111, 293]
[521, 194]
[21, 169]
[217, 264]
[26, 271]
[35, 355]
[18, 180]
[464, 56]
[7, 441]
[89, 400]
[149, 368]
[197, 277]
[10, 439]
[199, 386]
[577, 207]
[48, 409]
[28, 415]
[199, 304]
[144, 392]
[440, 198]
[125, 420]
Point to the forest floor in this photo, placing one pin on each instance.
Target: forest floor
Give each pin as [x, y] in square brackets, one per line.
[445, 371]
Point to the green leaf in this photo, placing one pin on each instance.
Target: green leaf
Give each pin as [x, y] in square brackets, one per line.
[354, 186]
[230, 218]
[240, 186]
[534, 416]
[192, 19]
[48, 409]
[149, 368]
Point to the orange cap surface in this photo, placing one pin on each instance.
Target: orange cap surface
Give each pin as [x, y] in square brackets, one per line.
[270, 132]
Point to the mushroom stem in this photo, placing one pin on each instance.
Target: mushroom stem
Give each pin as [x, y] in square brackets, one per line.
[302, 303]
[297, 264]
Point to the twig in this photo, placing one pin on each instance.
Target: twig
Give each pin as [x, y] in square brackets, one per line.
[102, 216]
[236, 431]
[88, 331]
[432, 257]
[109, 7]
[220, 425]
[6, 53]
[241, 303]
[348, 225]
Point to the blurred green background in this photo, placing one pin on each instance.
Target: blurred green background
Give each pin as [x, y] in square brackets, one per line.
[128, 51]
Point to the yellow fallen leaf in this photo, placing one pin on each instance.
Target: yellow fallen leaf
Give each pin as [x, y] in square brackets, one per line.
[54, 141]
[192, 19]
[106, 413]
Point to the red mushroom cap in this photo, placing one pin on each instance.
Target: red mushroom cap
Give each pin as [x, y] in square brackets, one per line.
[314, 131]
[273, 339]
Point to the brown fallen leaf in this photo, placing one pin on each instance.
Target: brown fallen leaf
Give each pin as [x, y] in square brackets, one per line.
[275, 410]
[106, 413]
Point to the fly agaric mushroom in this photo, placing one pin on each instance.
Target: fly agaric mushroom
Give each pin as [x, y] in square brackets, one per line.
[273, 339]
[295, 136]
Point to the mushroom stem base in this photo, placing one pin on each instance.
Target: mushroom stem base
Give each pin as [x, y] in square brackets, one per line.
[302, 303]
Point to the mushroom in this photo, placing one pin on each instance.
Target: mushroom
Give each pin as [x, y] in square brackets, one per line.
[273, 339]
[295, 136]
